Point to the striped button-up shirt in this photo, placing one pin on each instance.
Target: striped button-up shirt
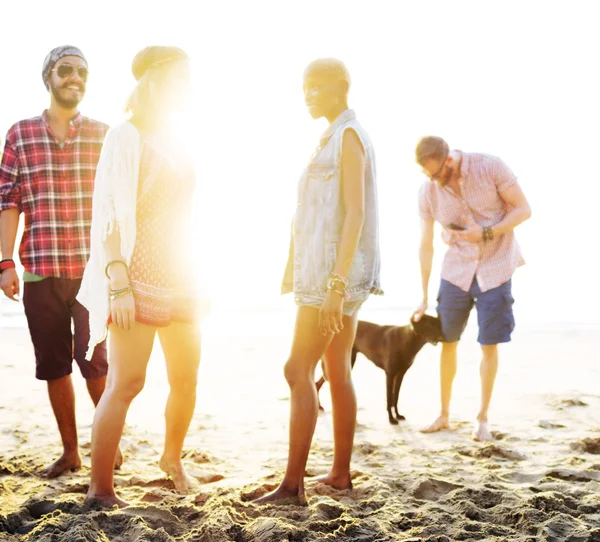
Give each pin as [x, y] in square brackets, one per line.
[493, 262]
[52, 185]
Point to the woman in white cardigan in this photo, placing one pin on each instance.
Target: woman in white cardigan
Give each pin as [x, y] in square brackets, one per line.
[139, 279]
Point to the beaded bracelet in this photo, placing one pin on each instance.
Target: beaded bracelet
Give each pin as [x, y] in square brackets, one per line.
[338, 277]
[488, 234]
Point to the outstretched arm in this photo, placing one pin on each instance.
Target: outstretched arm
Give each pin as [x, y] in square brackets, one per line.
[426, 262]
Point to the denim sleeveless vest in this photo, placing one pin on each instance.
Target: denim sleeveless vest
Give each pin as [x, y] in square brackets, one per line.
[319, 219]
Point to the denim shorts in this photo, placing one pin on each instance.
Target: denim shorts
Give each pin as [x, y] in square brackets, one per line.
[494, 312]
[348, 309]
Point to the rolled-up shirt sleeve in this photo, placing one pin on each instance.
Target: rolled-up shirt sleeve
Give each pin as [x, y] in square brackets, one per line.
[10, 188]
[503, 175]
[425, 211]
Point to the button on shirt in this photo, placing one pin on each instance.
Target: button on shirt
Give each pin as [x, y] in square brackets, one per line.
[493, 262]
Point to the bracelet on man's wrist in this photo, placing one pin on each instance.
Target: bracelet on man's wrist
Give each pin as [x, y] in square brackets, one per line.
[7, 263]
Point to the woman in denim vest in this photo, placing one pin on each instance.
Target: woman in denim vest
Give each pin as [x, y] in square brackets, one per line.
[332, 268]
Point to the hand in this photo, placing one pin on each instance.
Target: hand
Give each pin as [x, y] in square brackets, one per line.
[9, 283]
[473, 233]
[330, 314]
[122, 311]
[418, 314]
[448, 237]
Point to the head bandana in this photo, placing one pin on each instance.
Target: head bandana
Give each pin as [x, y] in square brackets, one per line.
[55, 55]
[155, 56]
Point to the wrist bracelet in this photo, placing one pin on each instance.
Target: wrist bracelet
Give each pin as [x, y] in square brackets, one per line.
[487, 234]
[115, 261]
[8, 263]
[114, 294]
[338, 277]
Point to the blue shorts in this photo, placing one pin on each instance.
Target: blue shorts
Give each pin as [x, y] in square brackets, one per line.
[494, 312]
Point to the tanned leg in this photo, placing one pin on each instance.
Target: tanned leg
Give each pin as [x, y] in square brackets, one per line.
[447, 374]
[62, 399]
[343, 400]
[129, 355]
[181, 346]
[308, 347]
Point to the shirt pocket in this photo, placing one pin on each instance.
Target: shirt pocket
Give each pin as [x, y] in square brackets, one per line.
[321, 170]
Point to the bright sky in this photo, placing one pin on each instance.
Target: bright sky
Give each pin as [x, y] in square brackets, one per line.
[512, 78]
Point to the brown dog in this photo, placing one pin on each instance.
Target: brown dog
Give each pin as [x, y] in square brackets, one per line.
[393, 349]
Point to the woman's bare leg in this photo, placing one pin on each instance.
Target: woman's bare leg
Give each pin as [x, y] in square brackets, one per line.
[129, 352]
[181, 346]
[308, 348]
[343, 401]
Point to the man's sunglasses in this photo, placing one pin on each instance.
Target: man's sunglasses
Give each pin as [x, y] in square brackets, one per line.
[435, 176]
[66, 70]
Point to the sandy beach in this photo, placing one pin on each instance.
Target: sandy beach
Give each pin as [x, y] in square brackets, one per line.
[540, 479]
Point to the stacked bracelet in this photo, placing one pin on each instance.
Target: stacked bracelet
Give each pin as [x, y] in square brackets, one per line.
[488, 234]
[338, 284]
[114, 294]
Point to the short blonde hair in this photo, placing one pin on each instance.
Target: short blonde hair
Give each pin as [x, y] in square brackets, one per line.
[431, 148]
[331, 68]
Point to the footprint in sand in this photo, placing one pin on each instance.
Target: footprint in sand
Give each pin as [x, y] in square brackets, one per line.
[544, 424]
[152, 496]
[366, 448]
[197, 456]
[431, 489]
[258, 492]
[572, 475]
[568, 403]
[588, 445]
[492, 450]
[328, 510]
[208, 478]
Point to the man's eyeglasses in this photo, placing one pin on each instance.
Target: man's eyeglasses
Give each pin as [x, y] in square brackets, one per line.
[66, 70]
[435, 176]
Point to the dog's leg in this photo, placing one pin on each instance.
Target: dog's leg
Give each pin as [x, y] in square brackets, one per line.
[319, 383]
[389, 381]
[353, 356]
[397, 383]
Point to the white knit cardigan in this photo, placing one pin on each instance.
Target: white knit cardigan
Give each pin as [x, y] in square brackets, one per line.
[114, 206]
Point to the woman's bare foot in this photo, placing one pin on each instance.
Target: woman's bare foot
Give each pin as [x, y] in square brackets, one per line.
[439, 424]
[104, 501]
[283, 495]
[63, 464]
[175, 471]
[482, 432]
[118, 459]
[340, 482]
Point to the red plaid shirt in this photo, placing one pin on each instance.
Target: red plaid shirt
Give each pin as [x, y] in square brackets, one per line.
[493, 262]
[52, 187]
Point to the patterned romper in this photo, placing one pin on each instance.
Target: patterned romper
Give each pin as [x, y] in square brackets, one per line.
[161, 268]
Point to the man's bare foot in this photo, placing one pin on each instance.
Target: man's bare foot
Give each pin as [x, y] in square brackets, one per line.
[104, 501]
[482, 432]
[118, 459]
[64, 463]
[284, 495]
[175, 471]
[336, 481]
[437, 425]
